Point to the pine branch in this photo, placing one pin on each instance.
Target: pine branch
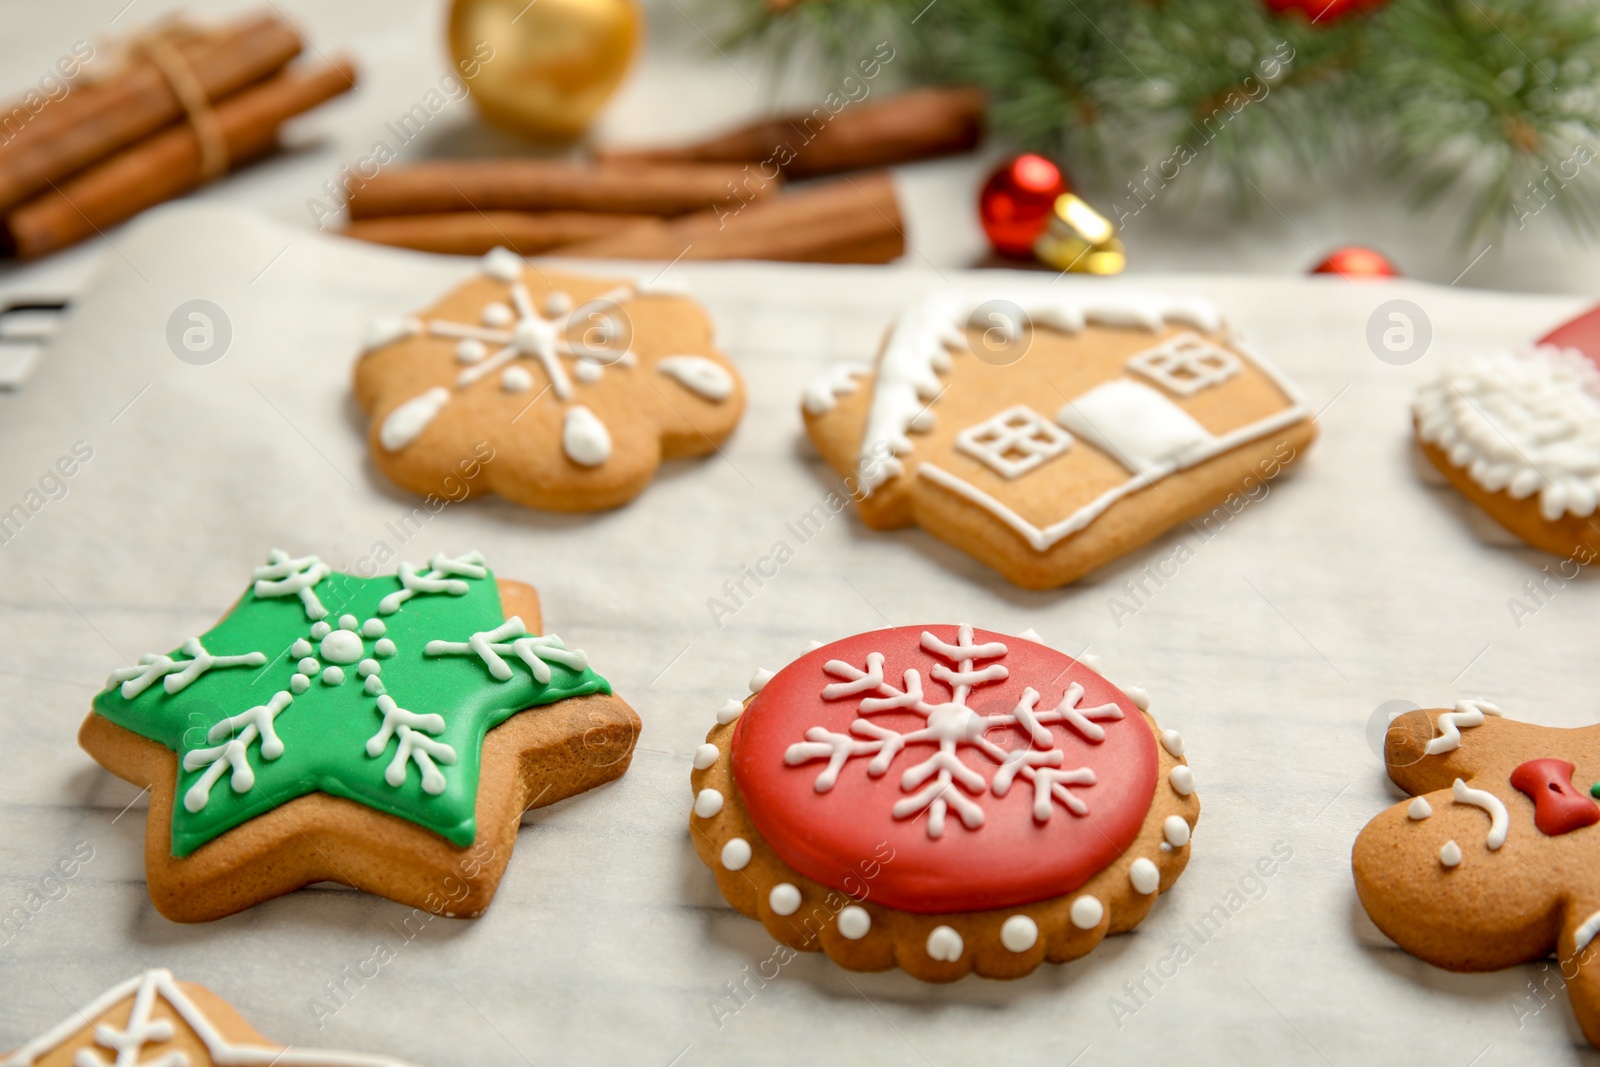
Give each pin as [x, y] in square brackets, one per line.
[1496, 101]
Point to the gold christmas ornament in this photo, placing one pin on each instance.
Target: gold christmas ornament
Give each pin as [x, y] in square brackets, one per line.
[1080, 239]
[551, 64]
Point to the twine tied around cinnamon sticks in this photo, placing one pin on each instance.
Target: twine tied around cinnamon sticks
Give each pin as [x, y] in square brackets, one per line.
[181, 107]
[157, 47]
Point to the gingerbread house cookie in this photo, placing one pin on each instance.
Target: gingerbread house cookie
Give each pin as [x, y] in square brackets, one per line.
[1102, 422]
[554, 390]
[1518, 434]
[1496, 860]
[385, 732]
[157, 1020]
[942, 799]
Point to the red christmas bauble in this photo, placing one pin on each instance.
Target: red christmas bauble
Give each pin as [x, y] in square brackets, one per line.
[1015, 203]
[1354, 261]
[1323, 12]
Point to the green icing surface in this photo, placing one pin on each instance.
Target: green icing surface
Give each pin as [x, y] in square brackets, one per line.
[325, 730]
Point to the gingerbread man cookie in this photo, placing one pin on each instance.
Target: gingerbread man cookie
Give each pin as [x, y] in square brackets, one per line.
[386, 733]
[567, 390]
[1518, 434]
[942, 799]
[1049, 436]
[1492, 863]
[157, 1020]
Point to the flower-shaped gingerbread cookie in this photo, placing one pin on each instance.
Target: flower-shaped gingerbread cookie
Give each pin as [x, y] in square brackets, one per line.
[556, 391]
[1496, 860]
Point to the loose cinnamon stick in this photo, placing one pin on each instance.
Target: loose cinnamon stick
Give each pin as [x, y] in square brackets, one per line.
[472, 233]
[168, 164]
[916, 125]
[853, 220]
[94, 121]
[547, 185]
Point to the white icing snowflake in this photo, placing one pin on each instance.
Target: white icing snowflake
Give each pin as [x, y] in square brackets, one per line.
[509, 333]
[939, 780]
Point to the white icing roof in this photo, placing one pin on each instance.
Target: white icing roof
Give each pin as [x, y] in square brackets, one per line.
[908, 374]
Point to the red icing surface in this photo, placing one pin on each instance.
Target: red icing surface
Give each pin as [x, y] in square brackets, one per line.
[1558, 808]
[838, 837]
[1582, 333]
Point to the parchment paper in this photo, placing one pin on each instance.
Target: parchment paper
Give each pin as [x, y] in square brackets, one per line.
[1351, 584]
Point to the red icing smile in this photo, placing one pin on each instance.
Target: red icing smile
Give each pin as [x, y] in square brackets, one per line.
[999, 771]
[1558, 808]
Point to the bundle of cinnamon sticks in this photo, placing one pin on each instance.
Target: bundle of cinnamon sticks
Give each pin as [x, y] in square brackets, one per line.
[181, 107]
[720, 199]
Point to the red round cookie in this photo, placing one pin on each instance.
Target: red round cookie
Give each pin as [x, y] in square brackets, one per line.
[805, 750]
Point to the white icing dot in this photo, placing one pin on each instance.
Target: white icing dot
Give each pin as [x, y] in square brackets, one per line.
[1450, 854]
[348, 622]
[1145, 876]
[1140, 697]
[516, 379]
[944, 944]
[386, 331]
[373, 628]
[498, 314]
[584, 438]
[333, 676]
[705, 756]
[784, 899]
[299, 683]
[1030, 634]
[308, 666]
[1176, 831]
[586, 371]
[1090, 660]
[368, 667]
[405, 423]
[759, 680]
[707, 803]
[319, 630]
[699, 375]
[1182, 779]
[854, 922]
[340, 646]
[374, 686]
[1419, 809]
[557, 303]
[384, 647]
[729, 711]
[735, 854]
[502, 264]
[300, 649]
[1088, 911]
[1172, 741]
[471, 350]
[1019, 933]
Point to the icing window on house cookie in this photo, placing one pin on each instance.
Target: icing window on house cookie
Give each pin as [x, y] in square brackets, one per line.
[1014, 442]
[1185, 364]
